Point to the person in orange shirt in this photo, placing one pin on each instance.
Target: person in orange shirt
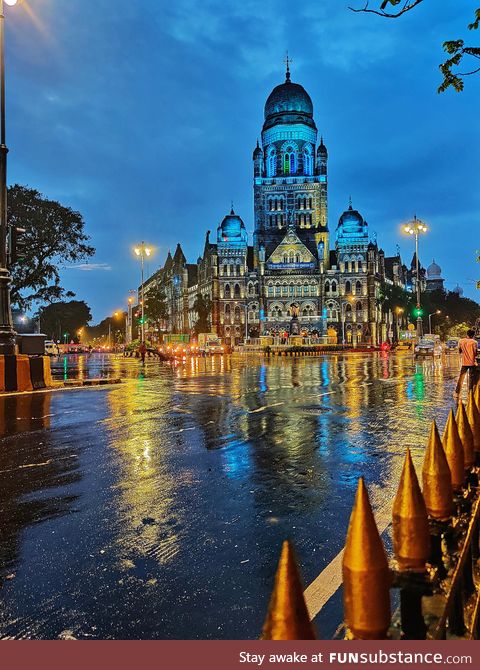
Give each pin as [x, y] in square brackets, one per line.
[468, 349]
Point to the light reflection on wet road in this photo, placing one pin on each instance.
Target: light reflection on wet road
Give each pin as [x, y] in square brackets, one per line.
[156, 508]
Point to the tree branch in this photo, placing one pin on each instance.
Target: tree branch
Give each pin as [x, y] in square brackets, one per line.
[381, 12]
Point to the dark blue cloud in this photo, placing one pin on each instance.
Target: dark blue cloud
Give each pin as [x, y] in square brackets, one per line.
[143, 116]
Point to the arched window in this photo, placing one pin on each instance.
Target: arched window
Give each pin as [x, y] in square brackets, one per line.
[270, 205]
[292, 289]
[310, 203]
[348, 309]
[227, 293]
[347, 266]
[299, 290]
[290, 257]
[278, 290]
[297, 258]
[306, 289]
[236, 291]
[348, 287]
[327, 287]
[289, 162]
[276, 204]
[237, 313]
[334, 286]
[285, 258]
[270, 291]
[359, 307]
[272, 163]
[227, 313]
[358, 288]
[307, 161]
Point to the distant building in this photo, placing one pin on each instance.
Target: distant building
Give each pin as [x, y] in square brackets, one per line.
[434, 277]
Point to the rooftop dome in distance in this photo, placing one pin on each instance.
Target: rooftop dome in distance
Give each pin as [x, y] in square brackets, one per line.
[434, 271]
[459, 290]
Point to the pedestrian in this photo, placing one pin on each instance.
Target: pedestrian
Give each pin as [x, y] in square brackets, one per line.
[468, 349]
[142, 350]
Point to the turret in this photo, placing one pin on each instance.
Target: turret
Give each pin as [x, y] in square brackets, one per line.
[258, 161]
[322, 158]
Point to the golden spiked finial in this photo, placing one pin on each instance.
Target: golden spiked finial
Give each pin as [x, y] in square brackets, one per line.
[366, 576]
[287, 617]
[411, 536]
[453, 448]
[473, 415]
[437, 479]
[466, 435]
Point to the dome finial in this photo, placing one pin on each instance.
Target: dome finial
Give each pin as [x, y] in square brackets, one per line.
[287, 62]
[349, 202]
[232, 212]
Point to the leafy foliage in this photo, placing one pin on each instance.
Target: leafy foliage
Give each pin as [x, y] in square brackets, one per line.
[455, 48]
[203, 308]
[156, 308]
[54, 236]
[59, 318]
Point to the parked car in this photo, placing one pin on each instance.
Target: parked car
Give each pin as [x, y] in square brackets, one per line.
[429, 345]
[51, 348]
[451, 345]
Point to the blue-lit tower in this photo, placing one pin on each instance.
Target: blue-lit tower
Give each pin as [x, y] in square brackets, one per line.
[290, 175]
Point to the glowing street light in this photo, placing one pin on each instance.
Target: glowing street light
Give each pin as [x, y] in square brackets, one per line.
[417, 227]
[141, 251]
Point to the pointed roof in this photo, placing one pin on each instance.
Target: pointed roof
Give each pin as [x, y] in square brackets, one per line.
[179, 256]
[168, 262]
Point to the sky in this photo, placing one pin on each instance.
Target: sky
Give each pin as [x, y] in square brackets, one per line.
[143, 116]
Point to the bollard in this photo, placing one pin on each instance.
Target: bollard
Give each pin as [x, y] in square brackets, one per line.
[366, 576]
[453, 448]
[437, 479]
[411, 538]
[466, 436]
[287, 617]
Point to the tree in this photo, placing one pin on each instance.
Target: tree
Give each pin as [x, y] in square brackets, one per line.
[54, 235]
[156, 309]
[203, 308]
[64, 318]
[112, 325]
[455, 48]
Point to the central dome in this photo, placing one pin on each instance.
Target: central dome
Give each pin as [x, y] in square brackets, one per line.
[288, 97]
[288, 103]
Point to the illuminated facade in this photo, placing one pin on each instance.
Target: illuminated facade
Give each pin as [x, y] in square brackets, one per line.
[292, 269]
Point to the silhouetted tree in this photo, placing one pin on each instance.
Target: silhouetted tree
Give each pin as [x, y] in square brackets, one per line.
[60, 318]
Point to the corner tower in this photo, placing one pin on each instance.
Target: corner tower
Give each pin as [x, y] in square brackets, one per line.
[290, 175]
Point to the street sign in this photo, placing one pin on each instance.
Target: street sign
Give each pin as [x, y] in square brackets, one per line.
[411, 326]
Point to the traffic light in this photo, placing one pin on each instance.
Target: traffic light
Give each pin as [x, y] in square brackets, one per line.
[418, 312]
[18, 244]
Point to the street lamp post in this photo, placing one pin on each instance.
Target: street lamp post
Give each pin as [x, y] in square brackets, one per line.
[128, 323]
[7, 332]
[416, 227]
[437, 311]
[398, 312]
[141, 251]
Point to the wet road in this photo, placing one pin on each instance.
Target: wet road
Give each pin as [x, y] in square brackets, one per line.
[156, 508]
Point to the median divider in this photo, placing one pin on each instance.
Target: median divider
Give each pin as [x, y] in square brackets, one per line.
[19, 372]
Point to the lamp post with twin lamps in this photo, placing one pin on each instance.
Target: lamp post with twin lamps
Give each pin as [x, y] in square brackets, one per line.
[7, 332]
[141, 251]
[416, 227]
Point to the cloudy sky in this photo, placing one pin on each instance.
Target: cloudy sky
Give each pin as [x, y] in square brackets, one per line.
[143, 116]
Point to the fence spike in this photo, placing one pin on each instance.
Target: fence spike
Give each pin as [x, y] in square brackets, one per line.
[437, 479]
[287, 616]
[453, 448]
[411, 535]
[366, 576]
[466, 435]
[473, 415]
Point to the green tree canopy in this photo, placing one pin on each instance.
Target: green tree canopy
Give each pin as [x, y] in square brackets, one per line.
[54, 235]
[60, 318]
[203, 308]
[457, 50]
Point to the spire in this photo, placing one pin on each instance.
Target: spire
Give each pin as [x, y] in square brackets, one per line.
[350, 202]
[453, 448]
[287, 617]
[232, 211]
[287, 62]
[411, 537]
[258, 146]
[366, 576]
[437, 480]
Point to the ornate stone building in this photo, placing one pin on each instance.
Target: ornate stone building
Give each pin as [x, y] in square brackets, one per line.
[294, 278]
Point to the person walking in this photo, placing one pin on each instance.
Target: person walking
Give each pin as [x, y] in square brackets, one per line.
[142, 350]
[468, 349]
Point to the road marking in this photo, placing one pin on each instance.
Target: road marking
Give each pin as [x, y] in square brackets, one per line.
[262, 409]
[323, 587]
